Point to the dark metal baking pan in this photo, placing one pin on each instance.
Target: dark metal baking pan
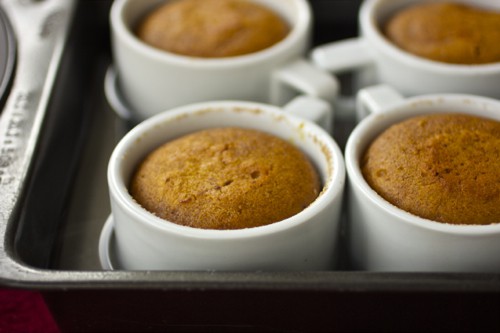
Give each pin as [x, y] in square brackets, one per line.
[50, 242]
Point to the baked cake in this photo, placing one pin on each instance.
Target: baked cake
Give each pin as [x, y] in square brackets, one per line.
[212, 28]
[443, 167]
[447, 32]
[225, 178]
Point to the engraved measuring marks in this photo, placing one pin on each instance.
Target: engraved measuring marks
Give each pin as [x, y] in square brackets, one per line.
[14, 137]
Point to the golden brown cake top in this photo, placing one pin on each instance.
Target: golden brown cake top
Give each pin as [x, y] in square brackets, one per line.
[212, 28]
[225, 178]
[447, 32]
[443, 167]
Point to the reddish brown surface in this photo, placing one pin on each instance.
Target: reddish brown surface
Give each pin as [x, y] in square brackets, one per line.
[24, 311]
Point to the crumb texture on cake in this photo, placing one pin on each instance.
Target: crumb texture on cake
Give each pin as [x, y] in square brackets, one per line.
[443, 167]
[212, 28]
[447, 32]
[225, 178]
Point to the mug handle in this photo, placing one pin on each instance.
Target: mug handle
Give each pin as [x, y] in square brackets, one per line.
[302, 76]
[317, 89]
[313, 109]
[342, 56]
[375, 99]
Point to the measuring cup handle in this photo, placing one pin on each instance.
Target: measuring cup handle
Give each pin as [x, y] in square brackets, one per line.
[375, 99]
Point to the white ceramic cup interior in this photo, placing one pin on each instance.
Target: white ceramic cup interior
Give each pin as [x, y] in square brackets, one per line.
[305, 241]
[383, 237]
[154, 80]
[375, 59]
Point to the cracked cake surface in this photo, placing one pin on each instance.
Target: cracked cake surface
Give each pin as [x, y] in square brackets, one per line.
[225, 178]
[443, 167]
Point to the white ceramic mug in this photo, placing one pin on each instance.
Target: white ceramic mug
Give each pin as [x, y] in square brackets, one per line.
[305, 241]
[375, 59]
[154, 80]
[383, 237]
